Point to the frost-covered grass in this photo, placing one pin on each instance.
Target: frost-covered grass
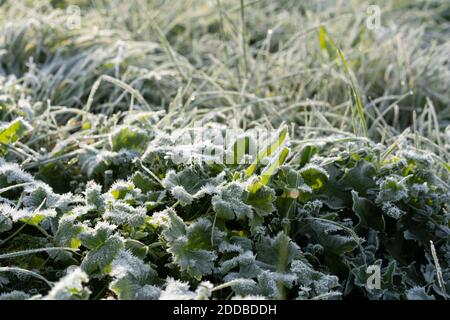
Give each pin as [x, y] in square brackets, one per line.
[359, 174]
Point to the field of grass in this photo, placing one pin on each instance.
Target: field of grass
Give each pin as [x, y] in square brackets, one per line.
[224, 149]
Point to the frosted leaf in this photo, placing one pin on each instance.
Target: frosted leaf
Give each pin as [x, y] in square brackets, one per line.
[177, 290]
[268, 285]
[6, 201]
[196, 262]
[243, 287]
[191, 247]
[95, 162]
[14, 174]
[419, 293]
[245, 264]
[278, 251]
[121, 213]
[418, 189]
[314, 176]
[5, 221]
[174, 225]
[64, 202]
[159, 219]
[230, 247]
[133, 278]
[40, 193]
[14, 295]
[392, 210]
[179, 193]
[103, 245]
[191, 184]
[392, 189]
[125, 263]
[229, 204]
[80, 211]
[94, 196]
[67, 234]
[312, 283]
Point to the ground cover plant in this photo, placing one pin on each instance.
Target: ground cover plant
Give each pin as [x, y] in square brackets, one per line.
[224, 150]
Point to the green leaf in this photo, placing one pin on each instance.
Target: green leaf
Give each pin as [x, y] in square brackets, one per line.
[306, 153]
[136, 247]
[333, 193]
[68, 232]
[242, 266]
[419, 293]
[276, 254]
[94, 196]
[13, 131]
[144, 183]
[275, 163]
[174, 225]
[392, 189]
[192, 246]
[313, 283]
[121, 214]
[354, 92]
[360, 178]
[327, 44]
[33, 218]
[262, 201]
[130, 138]
[314, 176]
[293, 186]
[5, 223]
[103, 245]
[190, 184]
[244, 145]
[229, 203]
[333, 237]
[133, 278]
[123, 190]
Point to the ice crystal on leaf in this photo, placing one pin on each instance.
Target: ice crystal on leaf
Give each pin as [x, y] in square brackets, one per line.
[70, 287]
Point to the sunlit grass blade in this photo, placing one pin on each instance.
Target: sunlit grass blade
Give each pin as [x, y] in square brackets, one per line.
[273, 147]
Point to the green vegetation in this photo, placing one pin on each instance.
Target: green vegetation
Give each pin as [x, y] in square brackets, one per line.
[106, 194]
